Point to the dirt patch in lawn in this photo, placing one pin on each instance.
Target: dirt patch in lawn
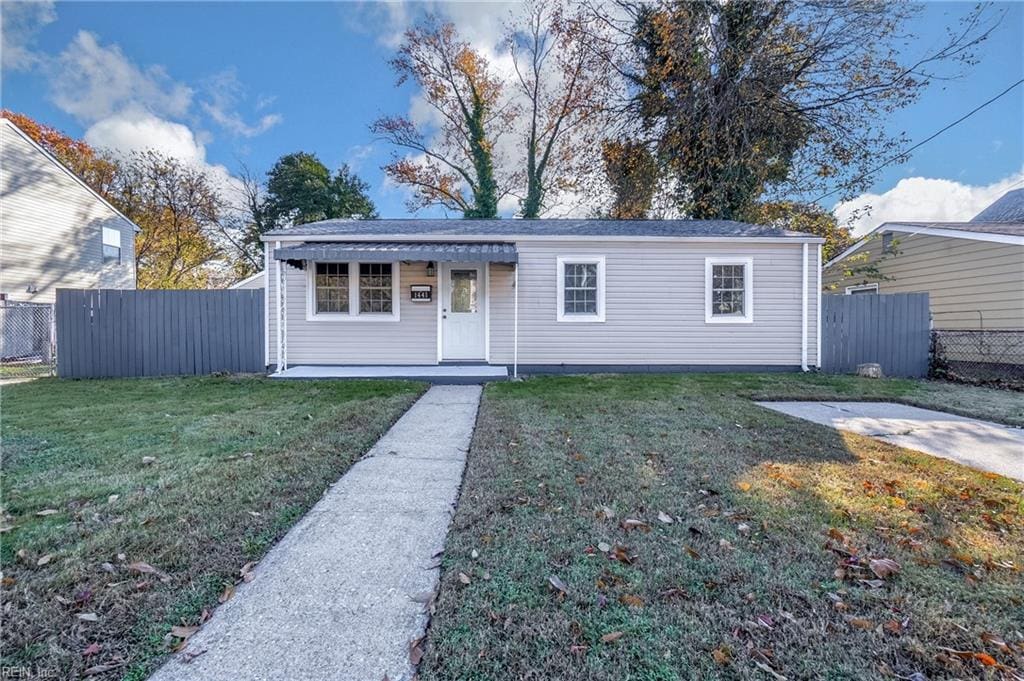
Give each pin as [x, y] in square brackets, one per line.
[131, 507]
[661, 527]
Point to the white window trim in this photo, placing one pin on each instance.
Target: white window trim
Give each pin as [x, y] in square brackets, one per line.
[861, 287]
[353, 314]
[111, 237]
[748, 291]
[562, 261]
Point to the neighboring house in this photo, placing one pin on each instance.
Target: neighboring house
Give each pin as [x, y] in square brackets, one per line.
[55, 232]
[973, 271]
[545, 295]
[257, 280]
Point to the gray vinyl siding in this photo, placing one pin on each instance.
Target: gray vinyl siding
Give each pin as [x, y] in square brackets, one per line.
[411, 340]
[52, 228]
[654, 311]
[971, 284]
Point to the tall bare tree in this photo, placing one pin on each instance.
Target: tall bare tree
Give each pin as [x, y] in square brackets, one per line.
[565, 85]
[454, 165]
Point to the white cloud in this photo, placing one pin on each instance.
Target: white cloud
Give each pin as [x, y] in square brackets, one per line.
[224, 91]
[19, 24]
[136, 130]
[922, 199]
[91, 81]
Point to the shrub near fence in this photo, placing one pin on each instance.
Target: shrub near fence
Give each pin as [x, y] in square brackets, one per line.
[979, 356]
[158, 333]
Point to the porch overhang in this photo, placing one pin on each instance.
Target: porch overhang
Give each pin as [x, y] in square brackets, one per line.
[390, 251]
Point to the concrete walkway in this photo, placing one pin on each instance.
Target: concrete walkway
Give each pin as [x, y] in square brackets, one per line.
[978, 444]
[345, 592]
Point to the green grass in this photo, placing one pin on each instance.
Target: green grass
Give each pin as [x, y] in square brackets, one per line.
[198, 512]
[749, 577]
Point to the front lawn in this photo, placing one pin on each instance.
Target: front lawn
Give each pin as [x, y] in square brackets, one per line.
[131, 506]
[664, 527]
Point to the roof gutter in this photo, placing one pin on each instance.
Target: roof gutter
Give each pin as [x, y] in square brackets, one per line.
[510, 238]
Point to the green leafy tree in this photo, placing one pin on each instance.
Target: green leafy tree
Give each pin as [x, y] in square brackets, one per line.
[301, 189]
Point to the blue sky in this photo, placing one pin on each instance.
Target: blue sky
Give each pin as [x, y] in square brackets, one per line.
[231, 83]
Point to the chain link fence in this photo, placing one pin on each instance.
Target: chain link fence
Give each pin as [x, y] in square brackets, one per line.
[27, 343]
[991, 357]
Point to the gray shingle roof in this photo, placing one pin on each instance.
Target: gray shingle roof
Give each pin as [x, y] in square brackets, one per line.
[510, 227]
[1007, 208]
[377, 251]
[1008, 228]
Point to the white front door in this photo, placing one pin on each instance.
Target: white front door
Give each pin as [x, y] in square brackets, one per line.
[462, 312]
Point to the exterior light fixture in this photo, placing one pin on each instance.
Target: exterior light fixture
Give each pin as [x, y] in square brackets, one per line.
[431, 269]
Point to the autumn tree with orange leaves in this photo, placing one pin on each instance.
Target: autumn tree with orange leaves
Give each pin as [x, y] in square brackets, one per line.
[454, 166]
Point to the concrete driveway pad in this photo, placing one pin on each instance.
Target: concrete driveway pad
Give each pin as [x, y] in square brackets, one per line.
[345, 592]
[979, 444]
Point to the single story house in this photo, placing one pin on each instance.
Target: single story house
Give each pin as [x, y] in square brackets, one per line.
[972, 271]
[543, 295]
[253, 281]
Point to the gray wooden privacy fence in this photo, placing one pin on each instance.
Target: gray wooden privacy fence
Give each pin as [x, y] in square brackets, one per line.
[158, 333]
[891, 329]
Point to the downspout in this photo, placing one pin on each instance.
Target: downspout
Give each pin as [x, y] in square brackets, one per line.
[803, 315]
[817, 314]
[515, 322]
[277, 307]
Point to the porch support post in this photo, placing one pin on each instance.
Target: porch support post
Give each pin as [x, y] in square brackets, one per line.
[284, 316]
[803, 313]
[515, 322]
[277, 307]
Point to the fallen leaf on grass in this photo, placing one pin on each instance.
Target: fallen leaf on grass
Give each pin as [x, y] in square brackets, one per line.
[558, 584]
[665, 518]
[147, 569]
[146, 460]
[722, 655]
[88, 617]
[246, 572]
[464, 578]
[108, 567]
[183, 632]
[91, 649]
[604, 547]
[45, 559]
[47, 511]
[100, 669]
[883, 567]
[229, 591]
[692, 553]
[605, 512]
[983, 658]
[743, 486]
[631, 601]
[991, 639]
[611, 637]
[861, 623]
[634, 524]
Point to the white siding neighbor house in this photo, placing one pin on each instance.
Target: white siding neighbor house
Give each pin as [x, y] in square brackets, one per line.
[972, 271]
[543, 295]
[55, 232]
